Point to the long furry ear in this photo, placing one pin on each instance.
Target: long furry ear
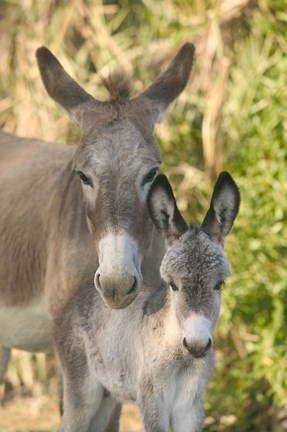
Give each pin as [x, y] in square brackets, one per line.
[223, 208]
[60, 86]
[171, 82]
[163, 209]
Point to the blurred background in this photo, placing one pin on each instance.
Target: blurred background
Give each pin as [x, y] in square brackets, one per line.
[232, 115]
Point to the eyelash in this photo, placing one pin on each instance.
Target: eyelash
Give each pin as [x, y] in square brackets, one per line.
[173, 286]
[149, 177]
[219, 285]
[84, 179]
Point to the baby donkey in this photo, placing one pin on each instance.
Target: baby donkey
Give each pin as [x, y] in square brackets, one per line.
[159, 356]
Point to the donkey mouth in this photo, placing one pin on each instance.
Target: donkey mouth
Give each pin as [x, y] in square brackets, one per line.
[196, 351]
[116, 303]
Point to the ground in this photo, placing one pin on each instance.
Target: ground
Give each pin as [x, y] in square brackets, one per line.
[41, 415]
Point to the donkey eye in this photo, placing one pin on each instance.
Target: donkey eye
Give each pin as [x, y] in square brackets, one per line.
[84, 179]
[149, 177]
[218, 286]
[173, 286]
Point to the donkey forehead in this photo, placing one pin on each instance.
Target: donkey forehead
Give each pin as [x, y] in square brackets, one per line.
[119, 144]
[194, 255]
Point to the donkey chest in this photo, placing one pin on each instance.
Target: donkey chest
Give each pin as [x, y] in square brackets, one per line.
[112, 360]
[123, 362]
[114, 373]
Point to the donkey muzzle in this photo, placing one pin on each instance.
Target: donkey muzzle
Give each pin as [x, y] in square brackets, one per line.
[197, 339]
[197, 351]
[117, 290]
[118, 277]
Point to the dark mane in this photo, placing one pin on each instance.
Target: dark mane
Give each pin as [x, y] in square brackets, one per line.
[118, 86]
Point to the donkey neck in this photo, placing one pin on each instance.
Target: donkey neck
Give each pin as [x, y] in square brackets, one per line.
[73, 257]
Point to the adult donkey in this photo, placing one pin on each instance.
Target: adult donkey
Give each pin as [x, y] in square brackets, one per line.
[70, 216]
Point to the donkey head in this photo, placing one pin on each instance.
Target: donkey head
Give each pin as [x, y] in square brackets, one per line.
[195, 265]
[117, 160]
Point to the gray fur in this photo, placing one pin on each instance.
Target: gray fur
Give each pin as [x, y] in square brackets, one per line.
[158, 351]
[51, 225]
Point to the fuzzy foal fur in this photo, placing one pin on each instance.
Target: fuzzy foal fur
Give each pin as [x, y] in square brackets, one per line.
[160, 356]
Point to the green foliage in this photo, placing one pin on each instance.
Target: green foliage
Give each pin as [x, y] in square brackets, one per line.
[255, 302]
[250, 382]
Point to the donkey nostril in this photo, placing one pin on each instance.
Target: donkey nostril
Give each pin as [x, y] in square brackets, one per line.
[98, 283]
[197, 351]
[209, 345]
[184, 343]
[134, 286]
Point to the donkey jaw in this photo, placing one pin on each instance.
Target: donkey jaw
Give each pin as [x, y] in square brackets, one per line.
[118, 278]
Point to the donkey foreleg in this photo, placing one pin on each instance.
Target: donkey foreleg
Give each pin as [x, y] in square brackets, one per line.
[152, 410]
[4, 360]
[189, 416]
[107, 418]
[82, 400]
[114, 423]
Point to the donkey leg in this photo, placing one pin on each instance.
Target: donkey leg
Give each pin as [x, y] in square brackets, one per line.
[82, 400]
[61, 394]
[152, 407]
[4, 360]
[107, 418]
[114, 423]
[153, 417]
[189, 417]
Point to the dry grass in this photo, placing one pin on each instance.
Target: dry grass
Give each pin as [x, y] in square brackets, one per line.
[26, 414]
[30, 397]
[29, 415]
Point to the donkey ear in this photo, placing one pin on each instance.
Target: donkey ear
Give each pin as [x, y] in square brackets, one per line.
[223, 208]
[60, 86]
[163, 209]
[171, 82]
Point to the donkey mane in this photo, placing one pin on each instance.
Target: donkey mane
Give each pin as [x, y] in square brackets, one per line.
[118, 85]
